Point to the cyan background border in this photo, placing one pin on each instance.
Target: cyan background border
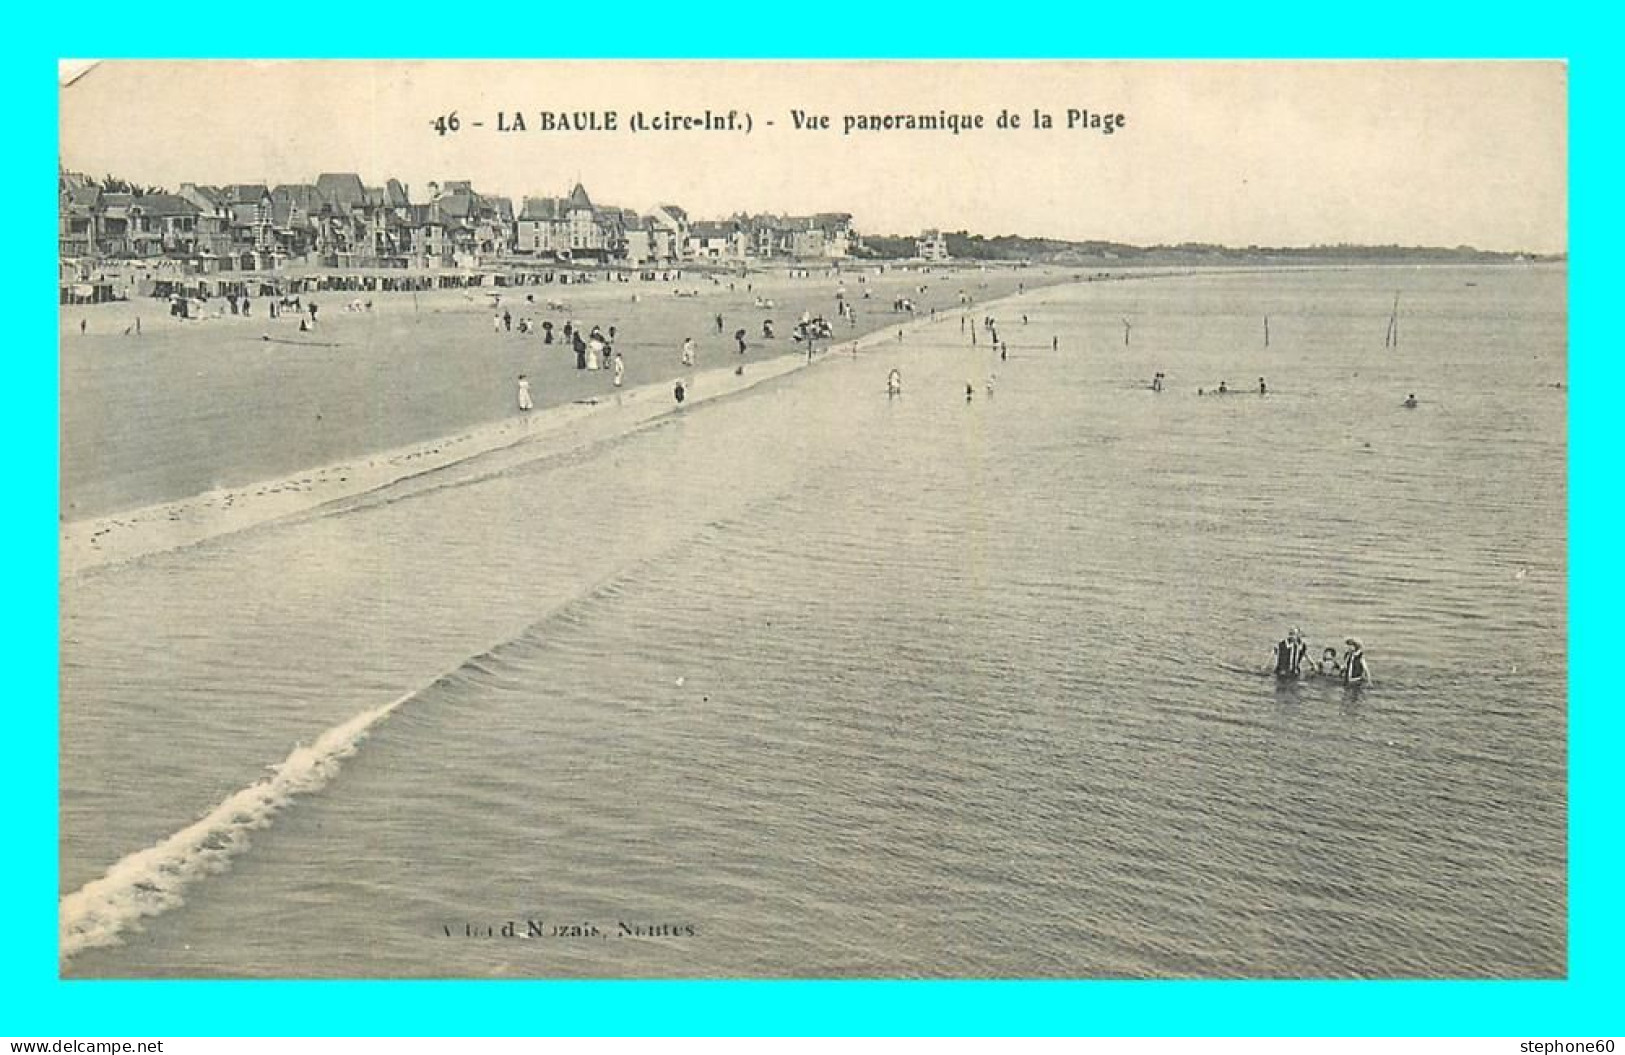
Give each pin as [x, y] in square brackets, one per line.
[33, 1002]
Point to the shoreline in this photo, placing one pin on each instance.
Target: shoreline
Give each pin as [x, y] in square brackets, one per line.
[122, 536]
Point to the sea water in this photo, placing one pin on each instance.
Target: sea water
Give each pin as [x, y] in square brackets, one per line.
[812, 682]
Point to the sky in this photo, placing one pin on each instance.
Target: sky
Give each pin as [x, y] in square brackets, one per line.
[1237, 153]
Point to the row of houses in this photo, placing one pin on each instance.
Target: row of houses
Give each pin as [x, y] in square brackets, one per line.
[339, 221]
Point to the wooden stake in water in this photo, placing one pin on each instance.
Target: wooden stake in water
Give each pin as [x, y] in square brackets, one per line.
[1392, 340]
[1266, 331]
[1125, 333]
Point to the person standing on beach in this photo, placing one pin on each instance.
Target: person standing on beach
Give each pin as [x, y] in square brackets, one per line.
[507, 320]
[719, 322]
[894, 382]
[688, 351]
[620, 369]
[678, 391]
[1263, 389]
[524, 393]
[1055, 344]
[81, 327]
[496, 323]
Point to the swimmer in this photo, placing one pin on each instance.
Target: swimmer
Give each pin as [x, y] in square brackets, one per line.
[1289, 653]
[1355, 670]
[1410, 401]
[1328, 667]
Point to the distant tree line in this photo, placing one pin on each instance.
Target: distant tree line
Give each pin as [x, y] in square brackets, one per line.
[965, 246]
[111, 184]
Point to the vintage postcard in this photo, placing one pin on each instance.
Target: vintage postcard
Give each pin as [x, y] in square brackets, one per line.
[845, 519]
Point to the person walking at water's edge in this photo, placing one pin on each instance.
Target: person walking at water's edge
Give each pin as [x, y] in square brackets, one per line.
[524, 393]
[620, 369]
[678, 392]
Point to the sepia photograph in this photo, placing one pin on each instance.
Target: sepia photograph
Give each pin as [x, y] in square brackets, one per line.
[845, 519]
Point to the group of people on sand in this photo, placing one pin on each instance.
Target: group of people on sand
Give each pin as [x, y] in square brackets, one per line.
[1291, 659]
[593, 351]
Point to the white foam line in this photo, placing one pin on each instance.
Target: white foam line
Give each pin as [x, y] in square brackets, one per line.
[152, 881]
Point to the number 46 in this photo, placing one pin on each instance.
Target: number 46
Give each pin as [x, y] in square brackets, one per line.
[446, 123]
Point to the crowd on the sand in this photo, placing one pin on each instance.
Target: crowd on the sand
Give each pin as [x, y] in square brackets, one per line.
[594, 347]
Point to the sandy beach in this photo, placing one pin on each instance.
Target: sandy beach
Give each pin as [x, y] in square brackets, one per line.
[197, 428]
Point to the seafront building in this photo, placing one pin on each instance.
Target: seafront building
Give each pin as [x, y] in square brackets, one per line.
[931, 245]
[340, 222]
